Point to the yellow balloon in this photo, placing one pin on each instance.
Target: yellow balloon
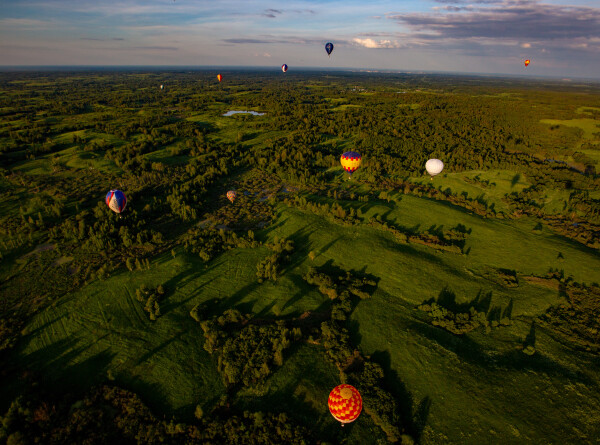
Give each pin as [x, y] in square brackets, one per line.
[351, 161]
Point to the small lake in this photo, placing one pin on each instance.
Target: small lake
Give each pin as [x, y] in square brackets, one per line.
[229, 113]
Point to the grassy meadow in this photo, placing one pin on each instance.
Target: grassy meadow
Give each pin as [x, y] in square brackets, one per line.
[473, 388]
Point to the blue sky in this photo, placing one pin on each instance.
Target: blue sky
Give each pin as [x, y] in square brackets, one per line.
[562, 38]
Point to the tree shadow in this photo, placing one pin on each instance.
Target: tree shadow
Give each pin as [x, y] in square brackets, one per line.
[447, 299]
[413, 418]
[516, 178]
[461, 228]
[177, 283]
[60, 367]
[233, 300]
[329, 245]
[303, 287]
[148, 354]
[354, 331]
[420, 418]
[208, 308]
[153, 393]
[471, 352]
[530, 339]
[507, 313]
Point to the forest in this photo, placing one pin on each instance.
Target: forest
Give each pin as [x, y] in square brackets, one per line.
[190, 318]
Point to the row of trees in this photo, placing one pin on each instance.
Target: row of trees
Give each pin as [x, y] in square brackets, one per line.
[109, 414]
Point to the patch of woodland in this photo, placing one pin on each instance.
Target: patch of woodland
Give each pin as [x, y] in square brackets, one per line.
[109, 414]
[577, 317]
[462, 318]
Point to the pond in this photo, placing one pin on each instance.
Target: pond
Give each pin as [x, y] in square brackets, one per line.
[229, 113]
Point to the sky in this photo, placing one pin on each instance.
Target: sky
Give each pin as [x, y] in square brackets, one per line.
[560, 37]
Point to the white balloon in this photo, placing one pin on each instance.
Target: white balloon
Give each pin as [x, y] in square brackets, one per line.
[434, 167]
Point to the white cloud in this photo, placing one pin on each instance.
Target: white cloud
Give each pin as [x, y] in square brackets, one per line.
[29, 24]
[371, 43]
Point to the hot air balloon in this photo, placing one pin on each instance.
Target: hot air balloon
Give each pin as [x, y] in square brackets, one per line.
[162, 87]
[434, 167]
[219, 77]
[116, 201]
[284, 67]
[345, 403]
[527, 62]
[329, 48]
[351, 160]
[231, 194]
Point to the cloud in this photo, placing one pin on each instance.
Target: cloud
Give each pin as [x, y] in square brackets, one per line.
[272, 13]
[288, 40]
[26, 24]
[479, 2]
[159, 48]
[370, 43]
[508, 20]
[452, 8]
[101, 40]
[242, 41]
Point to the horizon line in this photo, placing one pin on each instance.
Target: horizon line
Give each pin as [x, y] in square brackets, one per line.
[9, 68]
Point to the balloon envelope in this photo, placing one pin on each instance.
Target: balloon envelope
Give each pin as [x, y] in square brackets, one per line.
[219, 77]
[329, 48]
[527, 62]
[351, 160]
[231, 194]
[284, 67]
[116, 200]
[434, 167]
[345, 403]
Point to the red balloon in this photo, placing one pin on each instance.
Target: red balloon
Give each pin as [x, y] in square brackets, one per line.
[345, 403]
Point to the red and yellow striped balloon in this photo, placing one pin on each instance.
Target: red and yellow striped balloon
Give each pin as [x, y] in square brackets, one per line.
[231, 194]
[345, 403]
[351, 160]
[219, 77]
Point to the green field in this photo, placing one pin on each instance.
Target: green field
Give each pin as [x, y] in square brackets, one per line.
[72, 319]
[103, 330]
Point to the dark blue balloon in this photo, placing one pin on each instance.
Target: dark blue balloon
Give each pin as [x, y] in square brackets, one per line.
[329, 48]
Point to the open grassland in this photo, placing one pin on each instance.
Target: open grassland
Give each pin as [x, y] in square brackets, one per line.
[102, 330]
[488, 185]
[590, 127]
[175, 155]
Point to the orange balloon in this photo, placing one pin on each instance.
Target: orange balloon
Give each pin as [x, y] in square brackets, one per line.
[527, 62]
[219, 77]
[345, 403]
